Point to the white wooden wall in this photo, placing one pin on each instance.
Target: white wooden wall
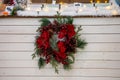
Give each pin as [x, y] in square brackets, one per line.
[99, 61]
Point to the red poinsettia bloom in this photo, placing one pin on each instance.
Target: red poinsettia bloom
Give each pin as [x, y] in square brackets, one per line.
[45, 35]
[46, 44]
[71, 31]
[39, 42]
[43, 40]
[63, 56]
[60, 57]
[61, 46]
[62, 33]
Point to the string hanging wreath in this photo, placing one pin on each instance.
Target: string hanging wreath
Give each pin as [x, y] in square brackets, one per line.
[57, 42]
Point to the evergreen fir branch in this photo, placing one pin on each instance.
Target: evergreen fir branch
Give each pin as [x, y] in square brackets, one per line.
[69, 20]
[45, 22]
[64, 21]
[53, 41]
[33, 55]
[38, 51]
[41, 63]
[71, 58]
[67, 66]
[77, 33]
[79, 29]
[81, 43]
[56, 70]
[54, 64]
[59, 18]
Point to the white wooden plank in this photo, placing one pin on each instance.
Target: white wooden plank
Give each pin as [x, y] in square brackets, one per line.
[87, 37]
[107, 57]
[32, 29]
[58, 78]
[96, 21]
[89, 47]
[76, 65]
[50, 72]
[18, 29]
[78, 21]
[19, 21]
[101, 29]
[79, 56]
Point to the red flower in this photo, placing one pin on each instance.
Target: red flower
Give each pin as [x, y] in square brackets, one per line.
[71, 31]
[61, 46]
[43, 40]
[46, 44]
[45, 35]
[62, 33]
[39, 42]
[63, 56]
[60, 57]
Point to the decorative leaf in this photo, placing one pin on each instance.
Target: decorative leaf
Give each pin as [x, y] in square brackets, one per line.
[41, 63]
[45, 22]
[71, 58]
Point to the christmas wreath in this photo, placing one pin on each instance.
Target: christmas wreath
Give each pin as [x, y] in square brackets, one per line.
[57, 42]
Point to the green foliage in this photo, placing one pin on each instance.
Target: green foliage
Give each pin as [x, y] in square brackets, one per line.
[67, 66]
[81, 43]
[59, 18]
[37, 51]
[41, 63]
[71, 58]
[53, 42]
[33, 56]
[15, 9]
[54, 64]
[45, 22]
[69, 20]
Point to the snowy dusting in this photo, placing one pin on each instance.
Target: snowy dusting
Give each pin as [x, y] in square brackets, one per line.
[101, 9]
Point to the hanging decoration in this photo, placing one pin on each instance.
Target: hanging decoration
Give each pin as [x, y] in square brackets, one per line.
[57, 43]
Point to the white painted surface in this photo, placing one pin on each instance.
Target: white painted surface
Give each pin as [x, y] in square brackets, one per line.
[99, 61]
